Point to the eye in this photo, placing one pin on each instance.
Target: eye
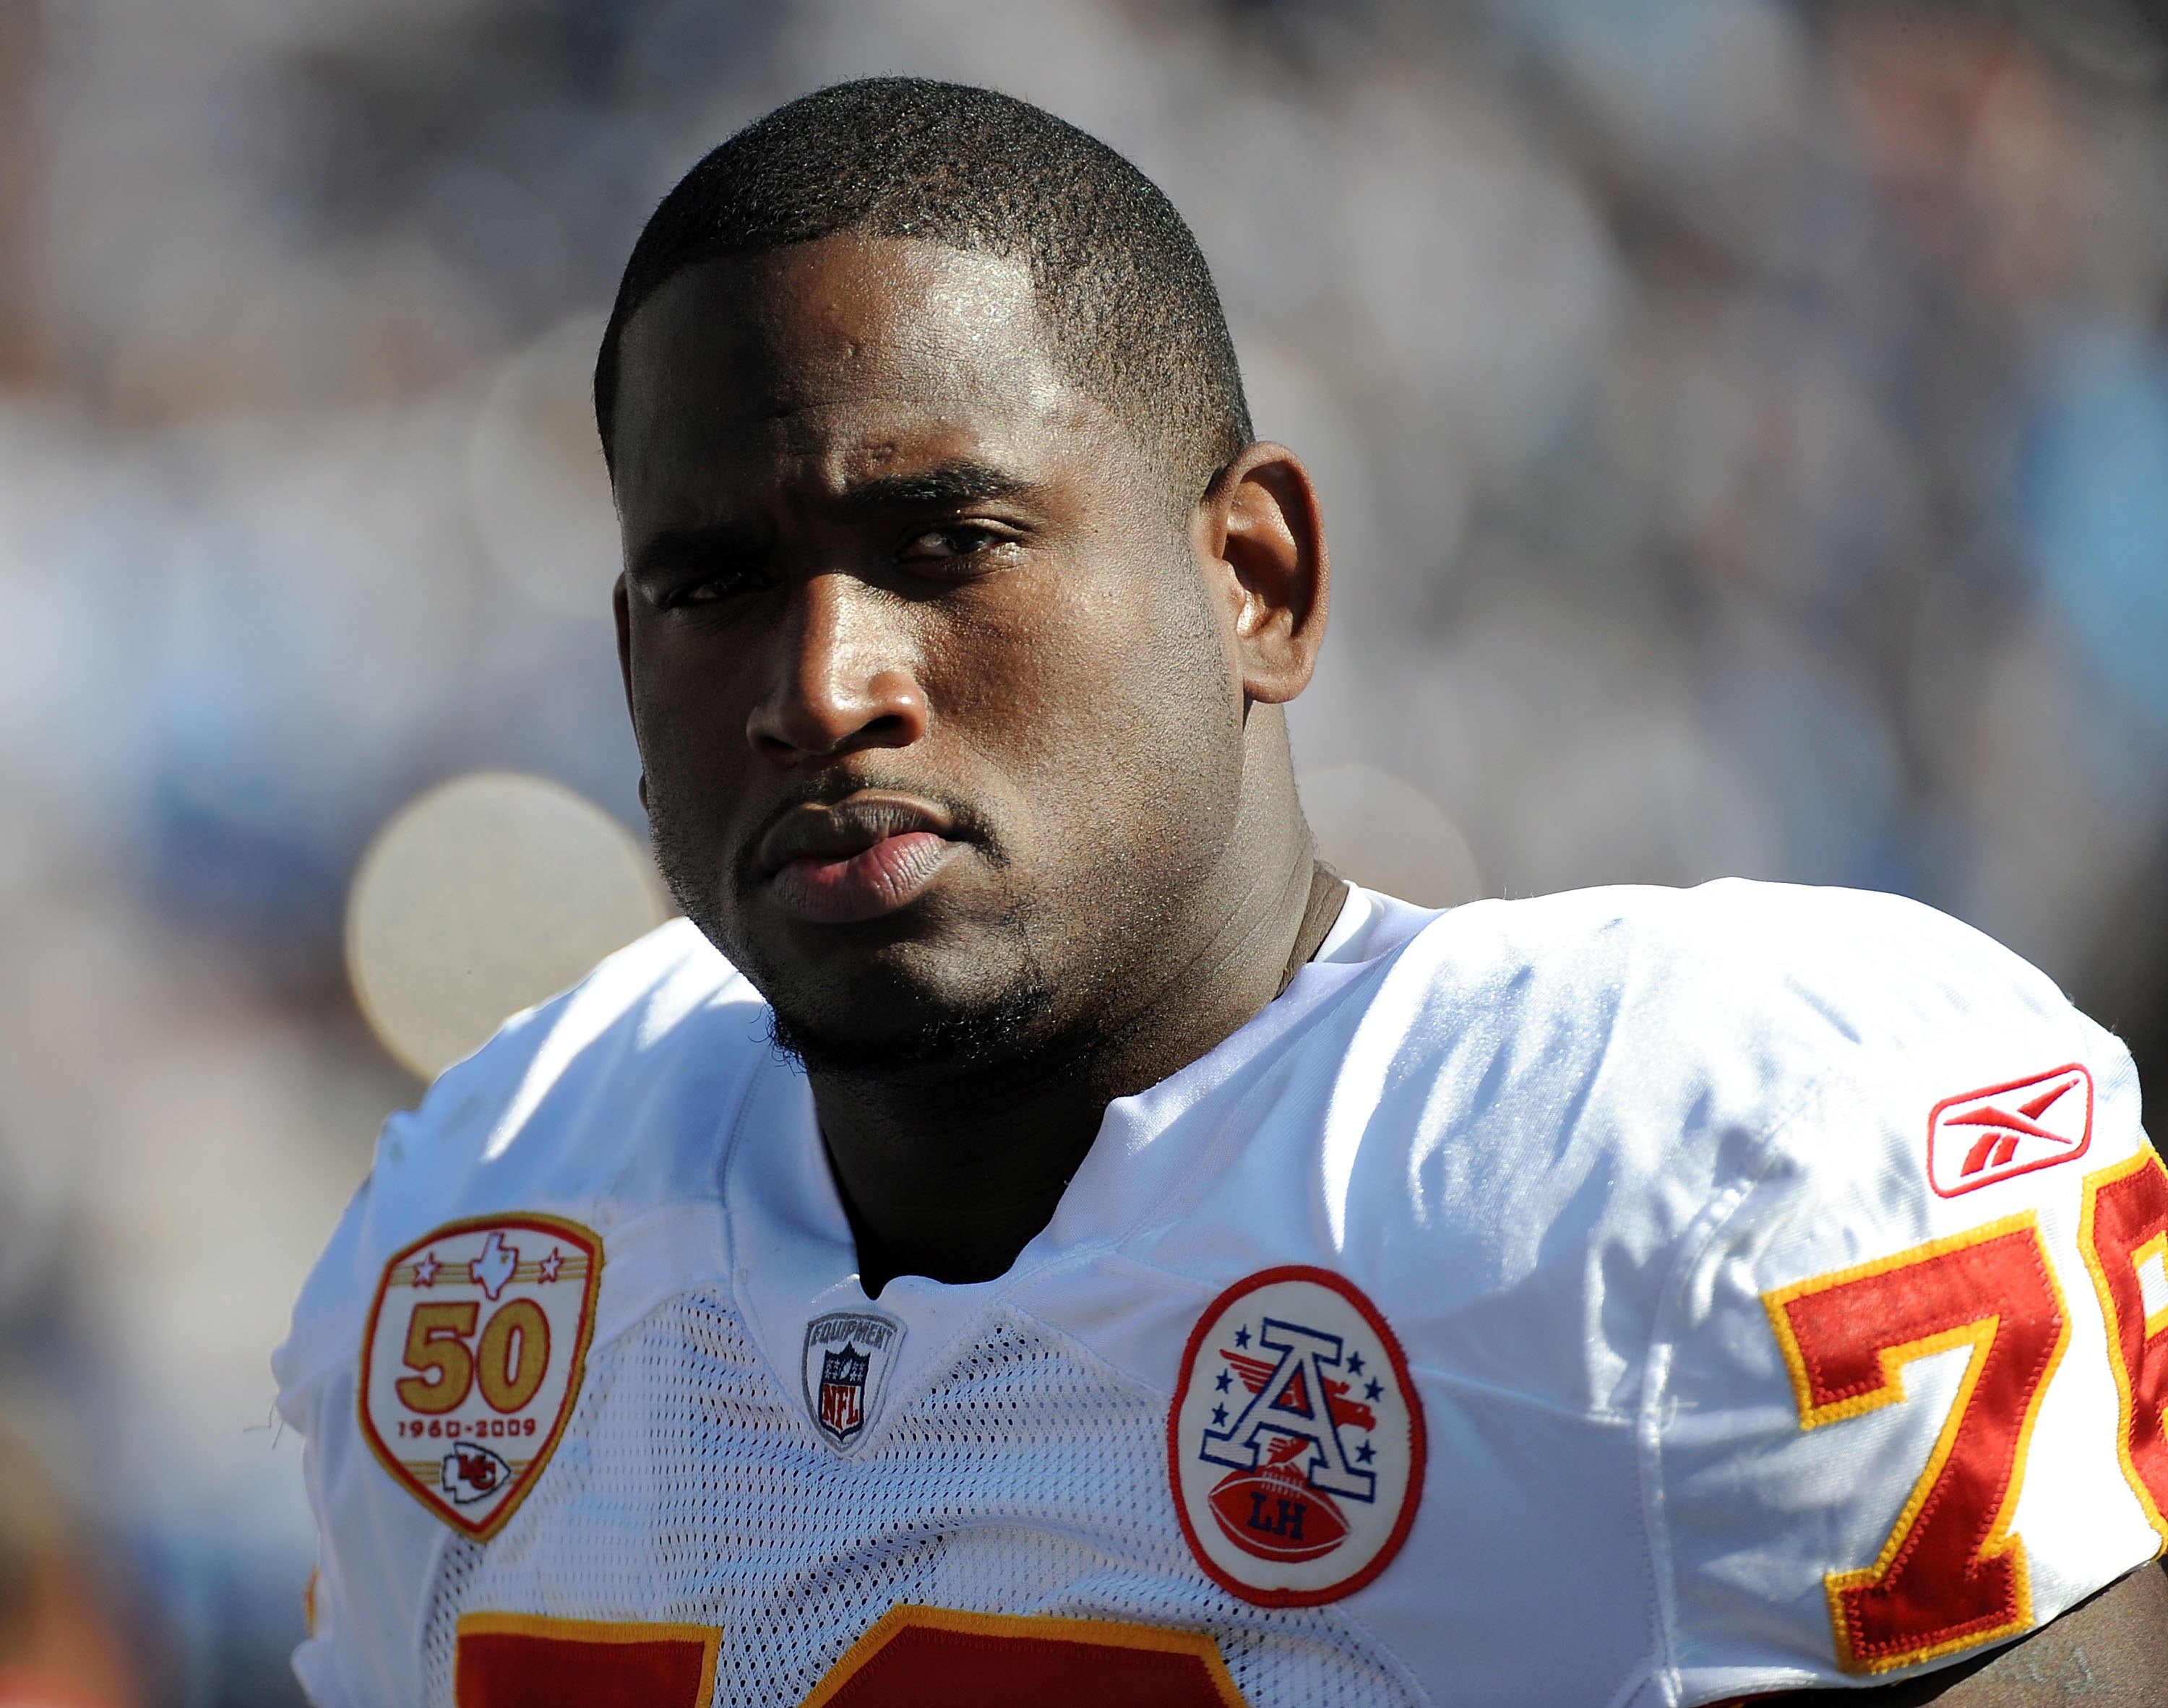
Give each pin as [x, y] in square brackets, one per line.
[711, 589]
[950, 542]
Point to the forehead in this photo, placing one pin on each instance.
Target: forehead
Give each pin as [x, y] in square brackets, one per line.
[832, 360]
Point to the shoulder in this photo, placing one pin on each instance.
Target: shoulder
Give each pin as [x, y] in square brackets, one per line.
[1738, 1007]
[605, 1101]
[555, 1098]
[1840, 967]
[1548, 1106]
[1826, 1160]
[1801, 1192]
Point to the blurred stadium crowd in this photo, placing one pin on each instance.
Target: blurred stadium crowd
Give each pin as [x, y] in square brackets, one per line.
[1743, 427]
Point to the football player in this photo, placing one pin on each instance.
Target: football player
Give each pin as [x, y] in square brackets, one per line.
[1029, 1233]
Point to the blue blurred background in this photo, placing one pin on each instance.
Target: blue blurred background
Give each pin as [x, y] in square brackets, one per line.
[1743, 427]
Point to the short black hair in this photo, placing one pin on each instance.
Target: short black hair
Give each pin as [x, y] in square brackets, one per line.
[1129, 301]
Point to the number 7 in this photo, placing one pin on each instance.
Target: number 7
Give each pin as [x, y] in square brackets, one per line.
[1951, 1574]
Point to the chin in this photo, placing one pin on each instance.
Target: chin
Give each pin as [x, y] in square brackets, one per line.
[880, 999]
[891, 1032]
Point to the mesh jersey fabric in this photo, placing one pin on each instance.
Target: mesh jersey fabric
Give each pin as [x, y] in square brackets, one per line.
[1566, 1146]
[1028, 1478]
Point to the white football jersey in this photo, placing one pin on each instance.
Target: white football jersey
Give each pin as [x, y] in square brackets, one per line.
[1633, 1296]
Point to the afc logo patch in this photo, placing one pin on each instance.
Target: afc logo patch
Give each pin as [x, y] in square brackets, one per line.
[1295, 1441]
[1979, 1137]
[472, 1358]
[848, 1357]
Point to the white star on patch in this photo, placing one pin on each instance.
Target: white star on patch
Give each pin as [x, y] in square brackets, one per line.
[550, 1264]
[425, 1271]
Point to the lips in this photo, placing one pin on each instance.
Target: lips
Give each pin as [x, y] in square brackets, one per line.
[856, 860]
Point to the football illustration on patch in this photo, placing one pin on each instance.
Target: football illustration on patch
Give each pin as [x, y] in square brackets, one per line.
[1979, 1137]
[472, 1360]
[848, 1357]
[1295, 1441]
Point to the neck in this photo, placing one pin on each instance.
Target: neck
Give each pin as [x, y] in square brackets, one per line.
[951, 1175]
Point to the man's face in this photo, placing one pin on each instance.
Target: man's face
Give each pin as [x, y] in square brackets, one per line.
[941, 718]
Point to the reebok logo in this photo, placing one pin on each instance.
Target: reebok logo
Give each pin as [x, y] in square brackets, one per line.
[1979, 1137]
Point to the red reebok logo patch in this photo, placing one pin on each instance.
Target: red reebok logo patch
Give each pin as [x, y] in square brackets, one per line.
[1981, 1137]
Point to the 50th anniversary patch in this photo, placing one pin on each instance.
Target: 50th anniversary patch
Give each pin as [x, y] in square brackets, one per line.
[1295, 1441]
[472, 1360]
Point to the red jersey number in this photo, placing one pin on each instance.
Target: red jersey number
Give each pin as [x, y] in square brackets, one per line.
[2123, 1233]
[935, 1658]
[1951, 1575]
[914, 1657]
[518, 1660]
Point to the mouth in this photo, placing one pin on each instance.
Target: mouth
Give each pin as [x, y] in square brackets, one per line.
[856, 860]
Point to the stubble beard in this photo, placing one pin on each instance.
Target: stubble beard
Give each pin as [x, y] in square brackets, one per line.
[941, 1038]
[924, 1030]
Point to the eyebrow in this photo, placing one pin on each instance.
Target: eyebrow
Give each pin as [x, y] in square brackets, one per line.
[944, 487]
[682, 548]
[948, 486]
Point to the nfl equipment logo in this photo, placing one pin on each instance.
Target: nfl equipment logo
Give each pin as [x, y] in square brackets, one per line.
[848, 1357]
[843, 1392]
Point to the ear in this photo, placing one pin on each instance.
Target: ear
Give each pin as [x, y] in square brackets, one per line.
[1259, 531]
[621, 609]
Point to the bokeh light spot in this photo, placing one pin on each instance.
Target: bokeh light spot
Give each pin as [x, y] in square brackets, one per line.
[482, 897]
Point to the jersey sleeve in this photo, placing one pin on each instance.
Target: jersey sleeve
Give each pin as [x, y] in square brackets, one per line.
[510, 1129]
[1907, 1386]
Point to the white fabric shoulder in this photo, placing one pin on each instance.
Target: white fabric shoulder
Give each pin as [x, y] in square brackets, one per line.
[606, 1106]
[584, 1104]
[1751, 1187]
[1590, 1075]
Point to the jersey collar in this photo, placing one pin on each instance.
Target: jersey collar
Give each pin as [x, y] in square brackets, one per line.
[792, 1258]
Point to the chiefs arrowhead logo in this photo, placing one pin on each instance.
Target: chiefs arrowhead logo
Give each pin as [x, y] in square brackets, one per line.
[472, 1360]
[1979, 1137]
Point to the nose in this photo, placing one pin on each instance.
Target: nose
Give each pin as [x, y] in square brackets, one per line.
[844, 677]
